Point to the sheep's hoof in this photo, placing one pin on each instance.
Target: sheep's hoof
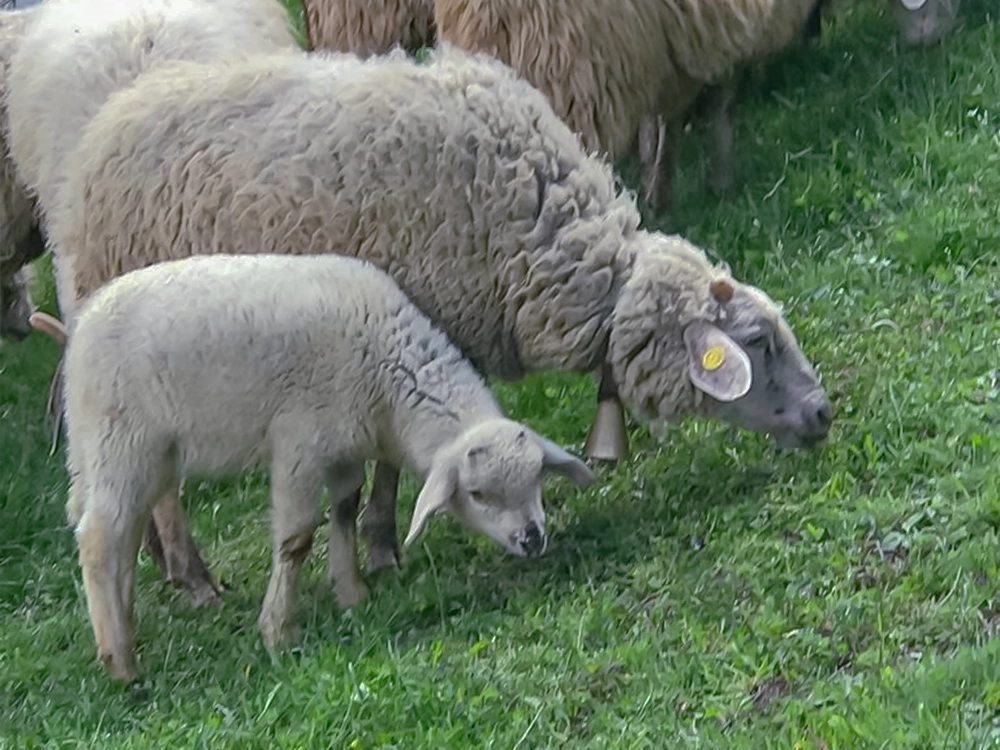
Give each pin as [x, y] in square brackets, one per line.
[349, 594]
[277, 632]
[122, 667]
[384, 557]
[608, 438]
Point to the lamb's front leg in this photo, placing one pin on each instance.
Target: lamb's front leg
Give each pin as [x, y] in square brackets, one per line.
[296, 486]
[378, 523]
[344, 485]
[608, 438]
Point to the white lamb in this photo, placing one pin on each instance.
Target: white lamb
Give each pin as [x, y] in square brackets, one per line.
[309, 365]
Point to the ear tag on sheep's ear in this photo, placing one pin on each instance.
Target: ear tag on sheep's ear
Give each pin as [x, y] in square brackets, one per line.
[717, 365]
[913, 4]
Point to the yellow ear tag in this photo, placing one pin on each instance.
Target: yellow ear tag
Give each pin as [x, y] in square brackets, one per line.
[713, 358]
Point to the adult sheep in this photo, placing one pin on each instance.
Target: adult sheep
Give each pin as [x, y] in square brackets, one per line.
[70, 57]
[20, 238]
[458, 179]
[83, 50]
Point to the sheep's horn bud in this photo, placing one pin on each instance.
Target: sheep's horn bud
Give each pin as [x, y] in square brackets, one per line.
[721, 290]
[45, 323]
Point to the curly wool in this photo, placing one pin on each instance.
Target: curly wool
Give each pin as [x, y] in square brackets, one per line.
[369, 27]
[455, 176]
[75, 53]
[608, 64]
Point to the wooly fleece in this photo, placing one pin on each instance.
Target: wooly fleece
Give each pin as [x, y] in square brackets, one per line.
[456, 177]
[317, 364]
[20, 240]
[369, 27]
[75, 53]
[608, 64]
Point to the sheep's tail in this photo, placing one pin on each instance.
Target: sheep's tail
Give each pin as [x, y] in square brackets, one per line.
[50, 325]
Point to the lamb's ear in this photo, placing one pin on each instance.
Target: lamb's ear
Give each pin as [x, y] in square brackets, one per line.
[717, 365]
[556, 459]
[434, 497]
[47, 324]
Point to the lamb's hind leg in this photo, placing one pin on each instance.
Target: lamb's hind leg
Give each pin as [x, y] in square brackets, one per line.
[344, 484]
[378, 523]
[108, 540]
[608, 438]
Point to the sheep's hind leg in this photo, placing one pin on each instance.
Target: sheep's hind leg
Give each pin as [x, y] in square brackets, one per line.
[108, 541]
[378, 523]
[344, 485]
[608, 438]
[296, 487]
[657, 147]
[169, 542]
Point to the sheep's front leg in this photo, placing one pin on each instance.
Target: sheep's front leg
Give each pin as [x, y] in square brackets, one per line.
[657, 148]
[344, 485]
[296, 486]
[108, 541]
[720, 110]
[379, 520]
[169, 542]
[608, 438]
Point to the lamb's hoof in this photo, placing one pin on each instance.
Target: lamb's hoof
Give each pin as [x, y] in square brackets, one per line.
[608, 438]
[350, 594]
[384, 557]
[204, 592]
[276, 632]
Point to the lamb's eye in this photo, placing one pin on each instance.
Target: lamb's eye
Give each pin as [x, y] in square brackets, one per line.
[476, 495]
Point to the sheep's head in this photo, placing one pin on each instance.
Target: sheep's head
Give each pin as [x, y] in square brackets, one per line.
[688, 339]
[15, 305]
[490, 479]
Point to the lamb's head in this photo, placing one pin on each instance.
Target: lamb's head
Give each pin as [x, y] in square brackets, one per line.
[490, 479]
[689, 339]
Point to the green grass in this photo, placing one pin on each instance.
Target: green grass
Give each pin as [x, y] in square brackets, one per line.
[711, 593]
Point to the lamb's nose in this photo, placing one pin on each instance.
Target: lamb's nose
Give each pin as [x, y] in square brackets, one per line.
[533, 542]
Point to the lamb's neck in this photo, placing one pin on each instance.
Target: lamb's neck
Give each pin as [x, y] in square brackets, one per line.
[433, 405]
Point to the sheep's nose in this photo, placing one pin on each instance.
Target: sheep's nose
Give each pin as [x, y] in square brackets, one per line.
[533, 542]
[819, 417]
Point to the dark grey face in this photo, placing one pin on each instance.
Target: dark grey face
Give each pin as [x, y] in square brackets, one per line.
[925, 21]
[785, 398]
[15, 306]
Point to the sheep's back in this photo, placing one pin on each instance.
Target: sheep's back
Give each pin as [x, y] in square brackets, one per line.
[455, 178]
[75, 53]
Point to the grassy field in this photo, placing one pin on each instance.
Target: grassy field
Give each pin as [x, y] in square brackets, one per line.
[711, 593]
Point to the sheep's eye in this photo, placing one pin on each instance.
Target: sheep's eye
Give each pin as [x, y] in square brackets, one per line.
[476, 495]
[757, 342]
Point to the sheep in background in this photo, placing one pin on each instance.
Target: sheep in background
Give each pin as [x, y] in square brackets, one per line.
[73, 55]
[20, 238]
[84, 50]
[369, 27]
[318, 363]
[624, 73]
[458, 179]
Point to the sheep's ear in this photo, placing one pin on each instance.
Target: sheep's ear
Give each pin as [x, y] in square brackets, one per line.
[434, 497]
[556, 459]
[717, 365]
[47, 324]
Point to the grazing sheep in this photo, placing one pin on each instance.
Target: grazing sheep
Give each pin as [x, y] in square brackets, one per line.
[20, 239]
[624, 73]
[316, 364]
[458, 179]
[75, 53]
[369, 27]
